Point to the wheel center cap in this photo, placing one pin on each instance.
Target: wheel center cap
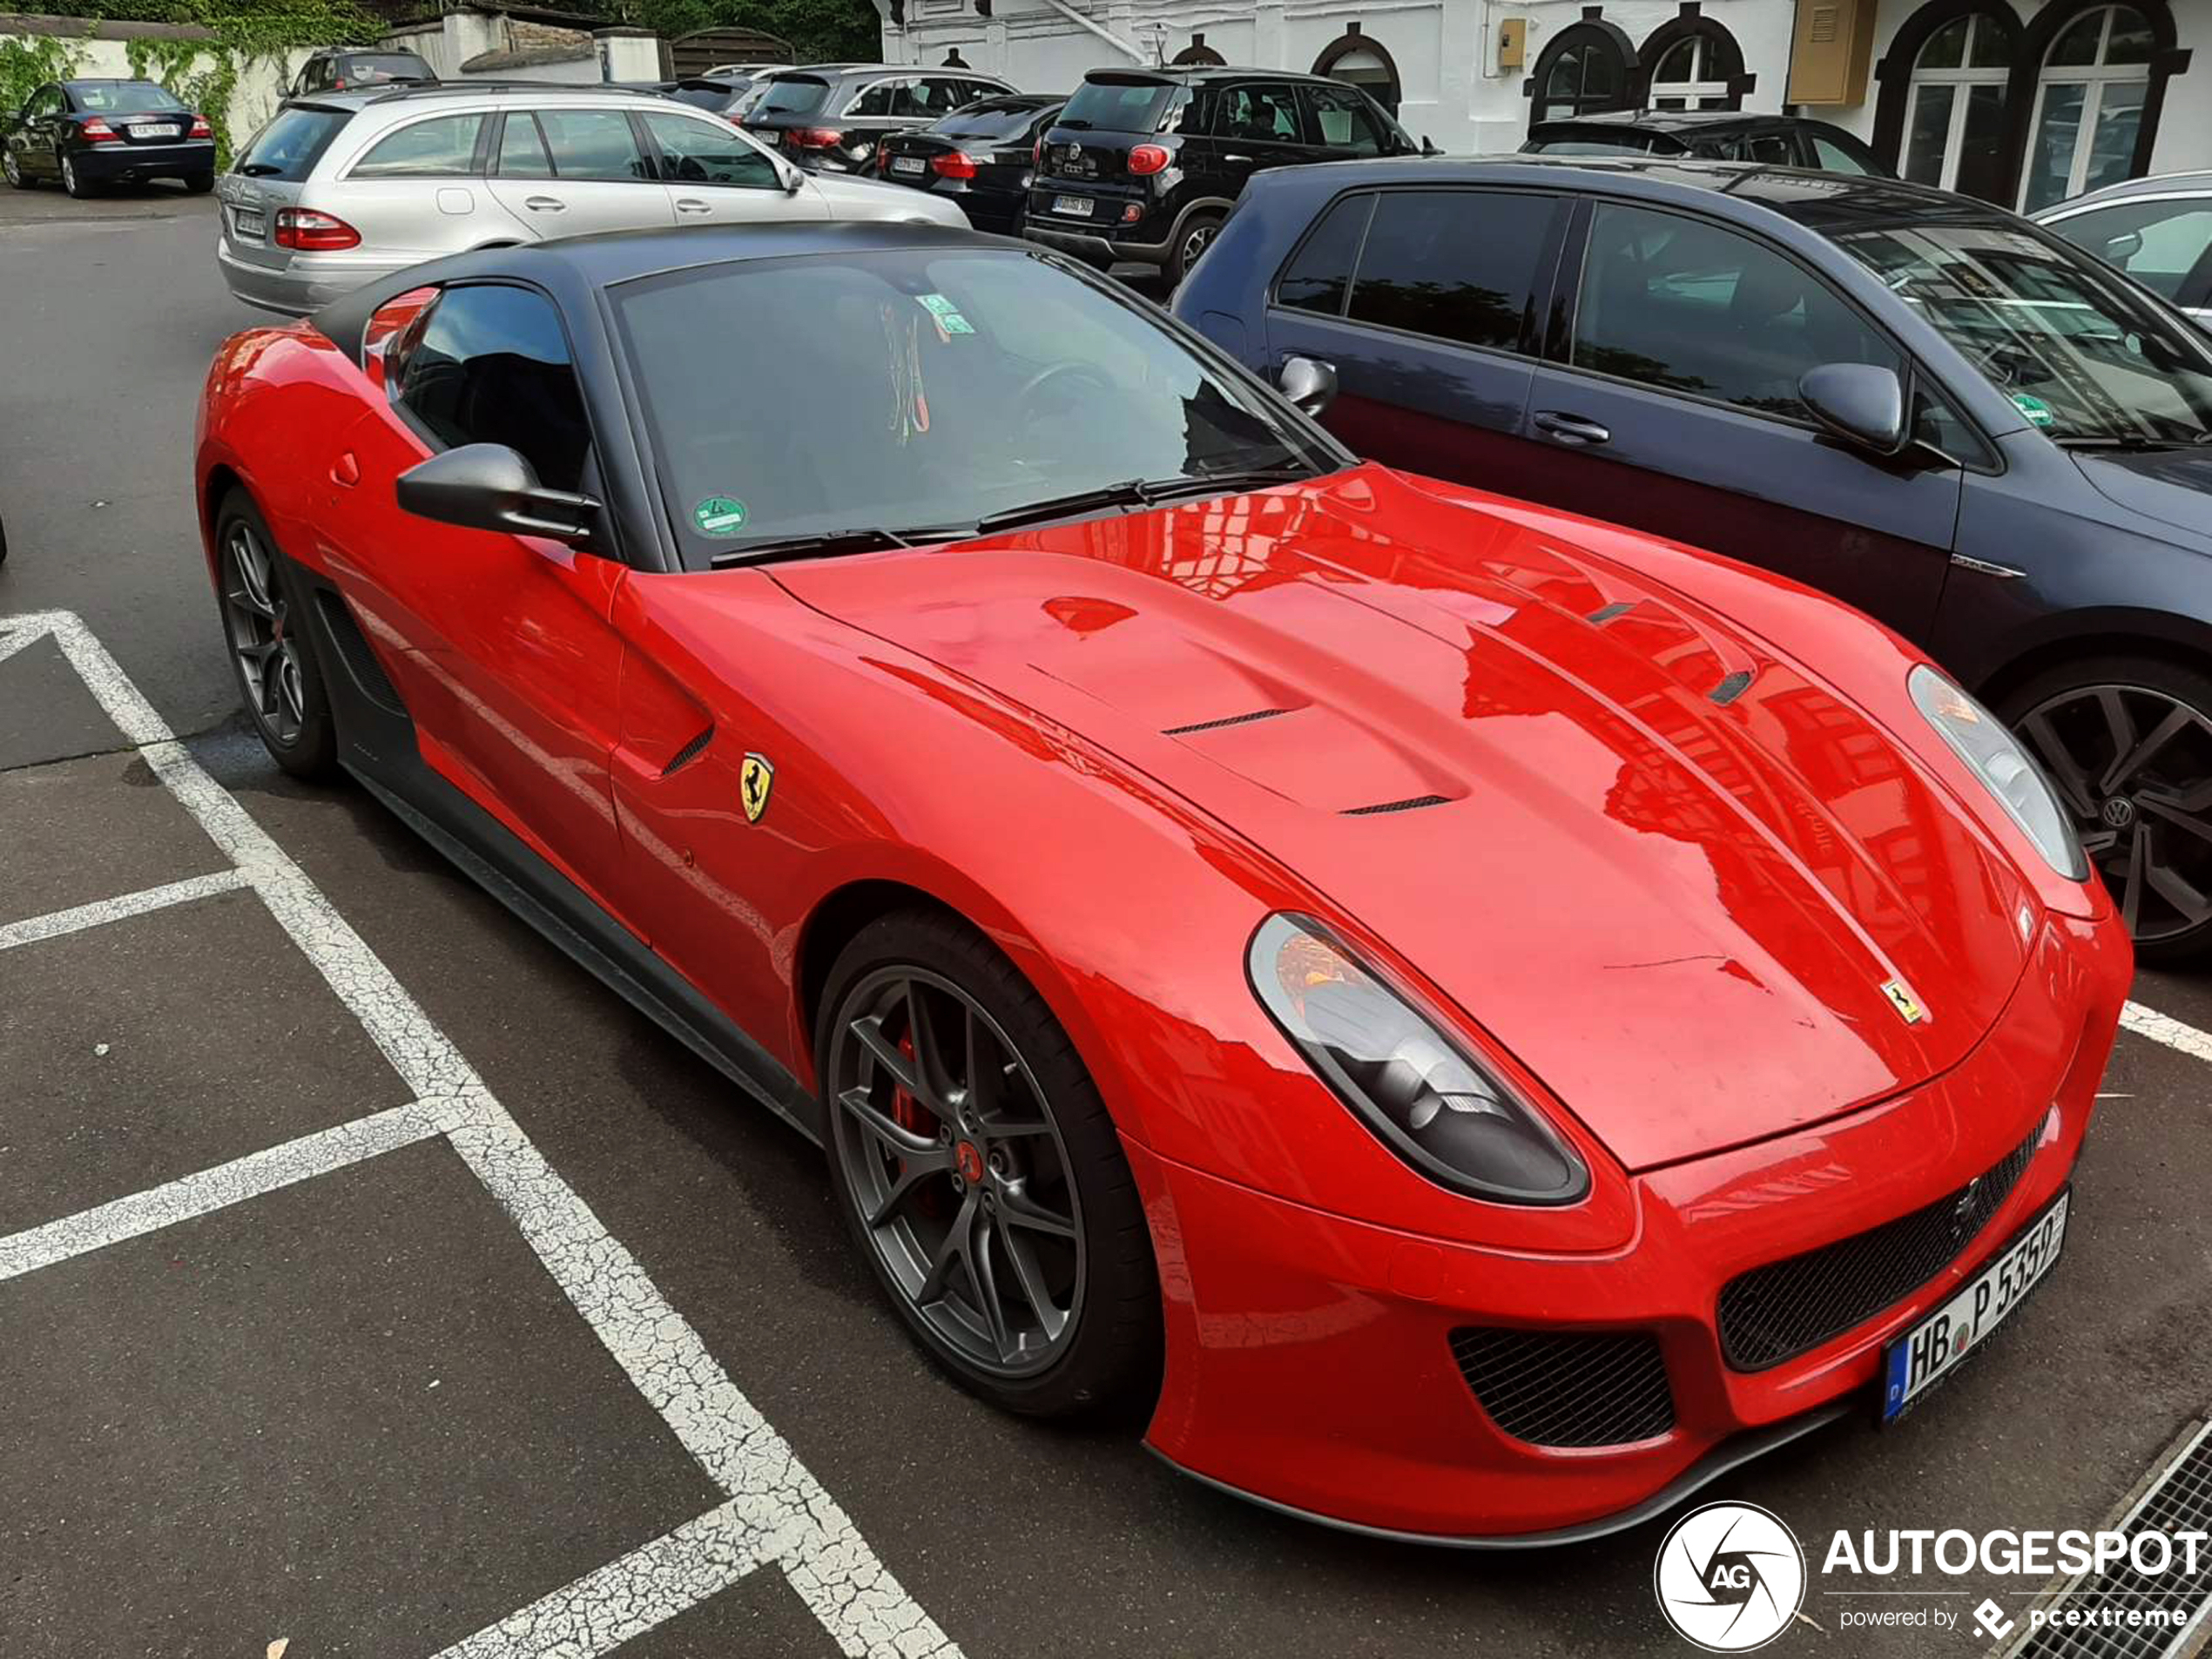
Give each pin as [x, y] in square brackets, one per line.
[2119, 811]
[970, 1157]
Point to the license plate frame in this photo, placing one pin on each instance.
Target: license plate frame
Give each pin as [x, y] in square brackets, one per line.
[908, 165]
[249, 222]
[1979, 1307]
[1073, 206]
[153, 129]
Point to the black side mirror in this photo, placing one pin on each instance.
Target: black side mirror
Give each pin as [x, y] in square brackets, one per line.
[490, 487]
[1859, 402]
[1308, 382]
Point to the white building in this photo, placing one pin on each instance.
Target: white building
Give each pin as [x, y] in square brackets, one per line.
[2021, 101]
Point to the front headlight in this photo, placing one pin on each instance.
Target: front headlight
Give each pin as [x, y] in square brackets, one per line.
[1977, 738]
[1410, 1083]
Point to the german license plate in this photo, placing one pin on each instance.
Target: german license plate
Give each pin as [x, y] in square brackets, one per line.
[1928, 1353]
[153, 129]
[908, 164]
[246, 221]
[1072, 207]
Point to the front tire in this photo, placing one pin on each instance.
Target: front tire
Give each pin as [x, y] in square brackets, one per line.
[980, 1174]
[2127, 741]
[78, 188]
[272, 655]
[11, 169]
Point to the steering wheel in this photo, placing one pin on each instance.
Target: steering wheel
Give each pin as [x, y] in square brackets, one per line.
[1052, 372]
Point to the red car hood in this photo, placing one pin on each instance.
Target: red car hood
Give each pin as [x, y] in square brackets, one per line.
[1676, 893]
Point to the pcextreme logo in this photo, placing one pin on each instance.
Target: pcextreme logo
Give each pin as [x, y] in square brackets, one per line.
[1730, 1577]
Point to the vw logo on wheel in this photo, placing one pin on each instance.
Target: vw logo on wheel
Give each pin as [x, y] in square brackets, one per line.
[1731, 1577]
[2118, 811]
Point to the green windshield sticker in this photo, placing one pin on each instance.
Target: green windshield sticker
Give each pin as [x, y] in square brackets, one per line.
[945, 315]
[2037, 411]
[720, 516]
[938, 306]
[953, 323]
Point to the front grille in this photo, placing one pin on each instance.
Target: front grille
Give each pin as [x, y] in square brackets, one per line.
[1784, 1308]
[1567, 1388]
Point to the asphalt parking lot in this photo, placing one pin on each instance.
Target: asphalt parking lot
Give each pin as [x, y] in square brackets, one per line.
[373, 1281]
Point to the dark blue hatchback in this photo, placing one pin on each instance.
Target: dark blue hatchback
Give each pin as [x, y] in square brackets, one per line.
[1918, 402]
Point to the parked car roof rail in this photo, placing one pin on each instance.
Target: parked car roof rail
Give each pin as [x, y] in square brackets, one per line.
[448, 89]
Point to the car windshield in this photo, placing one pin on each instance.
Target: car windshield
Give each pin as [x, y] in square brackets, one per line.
[291, 143]
[918, 392]
[1118, 106]
[126, 97]
[2084, 354]
[793, 95]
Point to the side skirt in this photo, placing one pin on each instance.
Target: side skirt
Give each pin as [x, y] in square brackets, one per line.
[377, 746]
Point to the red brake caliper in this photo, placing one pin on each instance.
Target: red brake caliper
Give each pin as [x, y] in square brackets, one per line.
[909, 1113]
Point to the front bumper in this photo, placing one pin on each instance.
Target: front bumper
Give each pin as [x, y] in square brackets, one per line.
[113, 164]
[1311, 1363]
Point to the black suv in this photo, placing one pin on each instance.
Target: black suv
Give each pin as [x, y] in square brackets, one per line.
[1145, 164]
[1711, 135]
[340, 69]
[829, 118]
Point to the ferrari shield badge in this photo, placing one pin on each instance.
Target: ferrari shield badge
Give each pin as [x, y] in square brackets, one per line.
[1901, 998]
[755, 779]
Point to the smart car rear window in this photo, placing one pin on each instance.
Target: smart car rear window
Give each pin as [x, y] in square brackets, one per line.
[793, 95]
[291, 143]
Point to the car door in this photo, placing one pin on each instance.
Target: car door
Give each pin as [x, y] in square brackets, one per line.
[715, 175]
[419, 191]
[1671, 404]
[505, 656]
[41, 131]
[1257, 125]
[566, 172]
[1426, 301]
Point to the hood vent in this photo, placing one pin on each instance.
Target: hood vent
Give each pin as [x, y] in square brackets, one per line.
[1604, 614]
[1227, 719]
[1733, 687]
[1395, 806]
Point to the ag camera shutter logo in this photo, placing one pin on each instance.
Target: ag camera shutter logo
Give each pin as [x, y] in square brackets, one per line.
[1730, 1578]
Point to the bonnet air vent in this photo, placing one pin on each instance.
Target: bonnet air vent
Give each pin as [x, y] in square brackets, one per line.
[1407, 806]
[688, 754]
[1604, 614]
[1228, 720]
[1733, 687]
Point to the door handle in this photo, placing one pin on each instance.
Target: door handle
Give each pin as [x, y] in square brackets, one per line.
[1571, 429]
[692, 205]
[544, 205]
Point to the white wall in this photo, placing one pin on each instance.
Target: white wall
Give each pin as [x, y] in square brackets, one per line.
[261, 82]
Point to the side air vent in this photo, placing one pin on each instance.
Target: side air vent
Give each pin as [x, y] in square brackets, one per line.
[1604, 614]
[1733, 687]
[362, 665]
[1230, 720]
[688, 754]
[1406, 806]
[1567, 1387]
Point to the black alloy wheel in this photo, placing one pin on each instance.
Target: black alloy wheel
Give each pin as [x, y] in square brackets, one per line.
[980, 1174]
[2128, 744]
[278, 675]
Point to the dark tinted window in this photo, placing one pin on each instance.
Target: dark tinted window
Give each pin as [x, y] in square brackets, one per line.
[1263, 112]
[442, 147]
[521, 150]
[991, 120]
[885, 98]
[1460, 264]
[492, 366]
[593, 143]
[705, 153]
[1628, 144]
[1696, 307]
[291, 143]
[2158, 243]
[1345, 120]
[1118, 106]
[1320, 271]
[798, 95]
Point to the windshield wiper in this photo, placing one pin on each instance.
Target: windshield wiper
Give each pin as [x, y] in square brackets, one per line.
[1142, 492]
[829, 544]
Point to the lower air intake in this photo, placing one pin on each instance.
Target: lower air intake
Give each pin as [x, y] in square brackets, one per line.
[1569, 1388]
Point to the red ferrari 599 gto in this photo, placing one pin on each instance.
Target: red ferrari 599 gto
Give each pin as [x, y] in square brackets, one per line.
[1475, 1020]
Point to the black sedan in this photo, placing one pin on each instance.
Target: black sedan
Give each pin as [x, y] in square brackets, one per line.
[983, 157]
[1992, 442]
[86, 134]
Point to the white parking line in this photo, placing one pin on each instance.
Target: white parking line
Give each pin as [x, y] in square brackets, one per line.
[778, 1511]
[58, 922]
[2161, 1027]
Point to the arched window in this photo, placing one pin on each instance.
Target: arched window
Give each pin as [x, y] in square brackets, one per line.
[2090, 95]
[1954, 106]
[1198, 53]
[1586, 70]
[1692, 63]
[1357, 60]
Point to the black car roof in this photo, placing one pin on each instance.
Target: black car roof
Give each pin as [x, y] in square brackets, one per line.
[1669, 120]
[1192, 74]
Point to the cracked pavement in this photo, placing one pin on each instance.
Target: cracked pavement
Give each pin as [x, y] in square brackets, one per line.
[438, 1396]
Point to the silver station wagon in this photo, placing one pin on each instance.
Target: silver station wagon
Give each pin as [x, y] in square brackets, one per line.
[343, 188]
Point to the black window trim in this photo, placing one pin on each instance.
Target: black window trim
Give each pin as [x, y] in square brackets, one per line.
[1544, 277]
[1560, 336]
[498, 147]
[606, 539]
